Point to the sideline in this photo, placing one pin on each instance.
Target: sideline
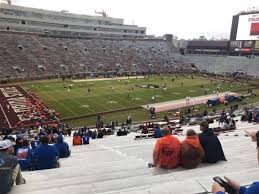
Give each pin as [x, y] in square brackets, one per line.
[10, 126]
[106, 79]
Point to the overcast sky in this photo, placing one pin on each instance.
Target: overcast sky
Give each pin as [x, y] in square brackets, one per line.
[182, 18]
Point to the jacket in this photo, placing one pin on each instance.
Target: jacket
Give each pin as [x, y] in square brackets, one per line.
[7, 165]
[77, 140]
[25, 157]
[167, 152]
[46, 157]
[253, 189]
[211, 146]
[192, 153]
[62, 147]
[158, 133]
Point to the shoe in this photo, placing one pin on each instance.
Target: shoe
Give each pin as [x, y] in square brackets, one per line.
[150, 165]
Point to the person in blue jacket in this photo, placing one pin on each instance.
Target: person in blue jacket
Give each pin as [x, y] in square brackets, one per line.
[62, 147]
[46, 156]
[86, 138]
[35, 142]
[24, 155]
[158, 132]
[253, 189]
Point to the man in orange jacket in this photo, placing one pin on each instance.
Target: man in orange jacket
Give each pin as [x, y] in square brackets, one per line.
[167, 151]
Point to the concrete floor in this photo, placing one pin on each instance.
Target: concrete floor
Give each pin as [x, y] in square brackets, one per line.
[119, 165]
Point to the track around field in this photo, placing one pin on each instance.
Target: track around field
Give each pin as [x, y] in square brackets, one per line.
[176, 104]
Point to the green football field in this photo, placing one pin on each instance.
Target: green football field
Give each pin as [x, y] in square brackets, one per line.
[91, 97]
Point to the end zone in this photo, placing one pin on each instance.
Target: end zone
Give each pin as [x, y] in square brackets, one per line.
[19, 108]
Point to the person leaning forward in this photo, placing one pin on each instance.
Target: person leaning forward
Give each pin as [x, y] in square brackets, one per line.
[10, 170]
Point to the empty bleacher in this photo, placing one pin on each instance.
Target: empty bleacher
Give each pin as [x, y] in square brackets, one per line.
[39, 56]
[220, 64]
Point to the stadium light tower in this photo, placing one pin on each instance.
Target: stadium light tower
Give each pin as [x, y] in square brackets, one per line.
[103, 13]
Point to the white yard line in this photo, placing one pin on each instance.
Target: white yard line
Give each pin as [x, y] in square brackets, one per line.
[59, 103]
[6, 117]
[106, 79]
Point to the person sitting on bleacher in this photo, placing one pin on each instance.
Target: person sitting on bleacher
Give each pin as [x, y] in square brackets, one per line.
[253, 189]
[86, 138]
[35, 142]
[125, 131]
[77, 140]
[167, 151]
[62, 147]
[120, 133]
[158, 132]
[94, 134]
[192, 153]
[145, 130]
[10, 170]
[25, 156]
[100, 134]
[255, 138]
[46, 156]
[210, 144]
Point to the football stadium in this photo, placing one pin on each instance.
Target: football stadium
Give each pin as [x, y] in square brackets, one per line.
[90, 104]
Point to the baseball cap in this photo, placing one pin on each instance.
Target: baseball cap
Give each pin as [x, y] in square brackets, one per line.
[6, 144]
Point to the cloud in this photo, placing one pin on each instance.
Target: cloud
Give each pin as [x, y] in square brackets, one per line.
[184, 18]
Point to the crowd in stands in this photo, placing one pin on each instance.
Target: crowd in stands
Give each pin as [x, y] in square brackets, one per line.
[26, 55]
[43, 151]
[39, 114]
[18, 155]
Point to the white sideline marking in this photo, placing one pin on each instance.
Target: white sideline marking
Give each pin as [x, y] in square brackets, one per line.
[6, 117]
[105, 79]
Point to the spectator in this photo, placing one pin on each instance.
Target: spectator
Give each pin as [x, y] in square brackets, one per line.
[25, 156]
[126, 131]
[145, 130]
[77, 140]
[94, 134]
[35, 142]
[210, 144]
[19, 143]
[10, 170]
[167, 151]
[255, 138]
[120, 132]
[100, 134]
[253, 189]
[62, 147]
[86, 139]
[158, 132]
[46, 156]
[192, 153]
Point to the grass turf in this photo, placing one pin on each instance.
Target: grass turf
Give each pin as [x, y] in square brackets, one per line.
[117, 94]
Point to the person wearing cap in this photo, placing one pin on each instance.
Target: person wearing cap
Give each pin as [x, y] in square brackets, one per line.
[192, 153]
[167, 151]
[210, 144]
[10, 170]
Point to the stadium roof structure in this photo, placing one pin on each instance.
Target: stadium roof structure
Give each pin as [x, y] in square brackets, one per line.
[119, 165]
